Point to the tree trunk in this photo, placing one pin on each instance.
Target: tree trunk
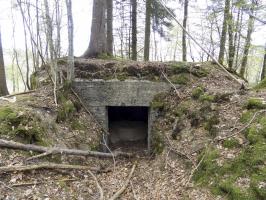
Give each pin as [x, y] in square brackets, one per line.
[70, 71]
[247, 45]
[224, 32]
[147, 30]
[263, 73]
[98, 38]
[109, 4]
[3, 87]
[231, 41]
[134, 29]
[184, 39]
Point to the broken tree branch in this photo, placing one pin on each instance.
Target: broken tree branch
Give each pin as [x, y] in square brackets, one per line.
[98, 185]
[123, 188]
[22, 168]
[55, 150]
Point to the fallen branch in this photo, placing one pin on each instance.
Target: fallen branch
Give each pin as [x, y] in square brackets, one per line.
[242, 129]
[177, 93]
[123, 188]
[23, 168]
[98, 185]
[39, 156]
[54, 150]
[20, 93]
[195, 169]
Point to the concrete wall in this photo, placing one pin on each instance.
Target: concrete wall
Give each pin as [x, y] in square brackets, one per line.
[98, 94]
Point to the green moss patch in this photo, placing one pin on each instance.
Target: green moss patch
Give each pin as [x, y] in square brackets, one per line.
[21, 125]
[181, 79]
[197, 92]
[231, 143]
[249, 164]
[255, 104]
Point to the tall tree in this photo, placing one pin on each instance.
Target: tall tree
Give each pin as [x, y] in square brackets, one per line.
[70, 71]
[224, 31]
[247, 43]
[231, 43]
[147, 30]
[263, 73]
[134, 29]
[109, 4]
[184, 39]
[3, 86]
[98, 39]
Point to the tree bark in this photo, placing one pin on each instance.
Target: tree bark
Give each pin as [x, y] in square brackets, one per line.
[109, 4]
[147, 31]
[70, 71]
[263, 73]
[224, 32]
[54, 150]
[134, 29]
[247, 45]
[3, 86]
[184, 39]
[98, 38]
[231, 41]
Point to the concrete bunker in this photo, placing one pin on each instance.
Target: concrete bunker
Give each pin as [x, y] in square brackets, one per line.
[123, 109]
[128, 127]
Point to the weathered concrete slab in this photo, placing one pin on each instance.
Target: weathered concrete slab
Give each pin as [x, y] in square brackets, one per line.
[99, 94]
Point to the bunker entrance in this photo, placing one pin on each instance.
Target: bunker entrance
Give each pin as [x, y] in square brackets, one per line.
[128, 127]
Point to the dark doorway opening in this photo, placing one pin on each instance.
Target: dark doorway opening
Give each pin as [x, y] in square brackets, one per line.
[128, 128]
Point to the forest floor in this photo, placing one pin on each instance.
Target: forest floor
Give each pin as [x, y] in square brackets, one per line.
[195, 156]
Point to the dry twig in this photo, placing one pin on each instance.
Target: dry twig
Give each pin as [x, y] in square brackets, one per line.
[124, 187]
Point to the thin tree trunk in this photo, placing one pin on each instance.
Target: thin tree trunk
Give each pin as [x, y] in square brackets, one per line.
[263, 73]
[3, 86]
[224, 32]
[231, 41]
[97, 44]
[184, 39]
[239, 30]
[147, 30]
[134, 29]
[247, 45]
[109, 4]
[26, 47]
[70, 71]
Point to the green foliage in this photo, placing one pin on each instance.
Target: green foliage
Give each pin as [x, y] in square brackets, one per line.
[65, 111]
[207, 97]
[255, 104]
[197, 92]
[250, 163]
[208, 167]
[246, 116]
[231, 191]
[231, 143]
[181, 79]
